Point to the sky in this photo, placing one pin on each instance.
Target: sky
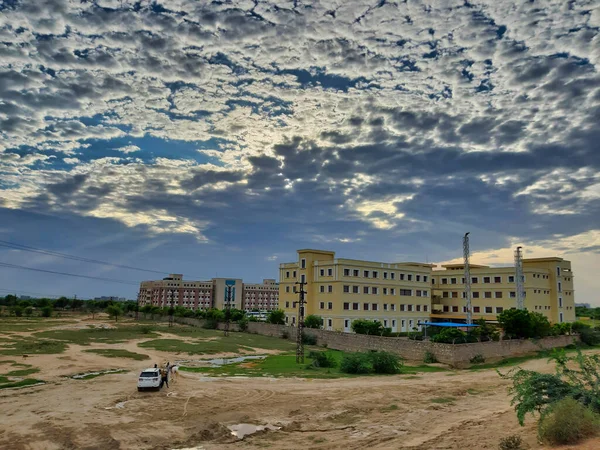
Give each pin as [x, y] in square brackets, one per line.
[217, 138]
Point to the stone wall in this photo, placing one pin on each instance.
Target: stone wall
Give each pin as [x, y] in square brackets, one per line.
[457, 355]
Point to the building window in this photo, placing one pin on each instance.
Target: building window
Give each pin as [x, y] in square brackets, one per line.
[409, 307]
[446, 308]
[487, 295]
[321, 305]
[322, 288]
[287, 304]
[329, 323]
[560, 305]
[374, 306]
[385, 307]
[558, 271]
[346, 306]
[476, 309]
[425, 308]
[407, 292]
[559, 286]
[393, 291]
[356, 272]
[346, 272]
[346, 323]
[366, 306]
[294, 274]
[455, 309]
[346, 288]
[355, 289]
[475, 294]
[365, 289]
[445, 294]
[303, 278]
[355, 306]
[393, 306]
[329, 305]
[418, 292]
[402, 307]
[287, 274]
[444, 280]
[418, 308]
[322, 272]
[303, 263]
[497, 279]
[499, 309]
[418, 277]
[409, 277]
[385, 291]
[287, 289]
[488, 310]
[329, 272]
[392, 275]
[452, 280]
[511, 278]
[401, 277]
[498, 294]
[366, 274]
[385, 275]
[330, 288]
[374, 290]
[486, 279]
[474, 280]
[454, 294]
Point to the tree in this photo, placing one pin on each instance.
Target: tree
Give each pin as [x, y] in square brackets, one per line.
[114, 311]
[17, 310]
[62, 302]
[516, 323]
[276, 317]
[540, 325]
[373, 327]
[485, 331]
[313, 321]
[28, 311]
[450, 336]
[47, 311]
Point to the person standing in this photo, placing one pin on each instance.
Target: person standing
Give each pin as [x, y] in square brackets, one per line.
[164, 379]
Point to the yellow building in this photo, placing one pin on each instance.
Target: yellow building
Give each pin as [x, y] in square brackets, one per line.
[342, 290]
[548, 285]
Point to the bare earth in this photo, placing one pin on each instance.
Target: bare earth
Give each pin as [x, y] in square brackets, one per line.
[356, 413]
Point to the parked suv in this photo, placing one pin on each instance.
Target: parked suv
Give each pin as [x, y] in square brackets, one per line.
[149, 379]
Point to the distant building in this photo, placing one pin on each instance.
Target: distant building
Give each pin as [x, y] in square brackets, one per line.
[583, 305]
[200, 295]
[105, 298]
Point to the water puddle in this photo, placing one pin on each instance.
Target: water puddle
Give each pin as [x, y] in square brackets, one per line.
[218, 362]
[88, 375]
[242, 430]
[119, 405]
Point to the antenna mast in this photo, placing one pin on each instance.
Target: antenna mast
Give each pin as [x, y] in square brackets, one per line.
[519, 278]
[467, 254]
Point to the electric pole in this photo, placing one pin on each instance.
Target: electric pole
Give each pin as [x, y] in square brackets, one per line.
[519, 278]
[227, 310]
[467, 255]
[300, 331]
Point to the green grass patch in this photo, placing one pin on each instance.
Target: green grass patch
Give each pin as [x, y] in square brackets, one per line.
[28, 346]
[443, 400]
[20, 384]
[23, 372]
[87, 336]
[473, 392]
[25, 324]
[389, 408]
[91, 375]
[118, 353]
[284, 365]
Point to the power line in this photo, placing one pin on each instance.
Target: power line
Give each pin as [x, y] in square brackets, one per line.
[27, 248]
[15, 291]
[111, 280]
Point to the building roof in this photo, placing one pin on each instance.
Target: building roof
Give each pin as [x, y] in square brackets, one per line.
[311, 250]
[547, 259]
[461, 265]
[448, 324]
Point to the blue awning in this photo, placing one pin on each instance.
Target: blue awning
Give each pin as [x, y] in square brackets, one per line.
[447, 324]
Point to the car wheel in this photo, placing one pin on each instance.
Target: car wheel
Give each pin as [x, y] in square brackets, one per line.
[139, 389]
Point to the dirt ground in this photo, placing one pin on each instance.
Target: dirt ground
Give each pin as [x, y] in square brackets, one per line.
[391, 412]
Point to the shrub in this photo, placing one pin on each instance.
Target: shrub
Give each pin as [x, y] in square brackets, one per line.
[243, 324]
[356, 363]
[322, 359]
[309, 339]
[485, 331]
[567, 422]
[450, 336]
[512, 442]
[477, 359]
[516, 323]
[28, 311]
[372, 327]
[285, 334]
[386, 363]
[540, 325]
[47, 311]
[578, 326]
[277, 317]
[430, 358]
[589, 336]
[146, 329]
[211, 324]
[313, 321]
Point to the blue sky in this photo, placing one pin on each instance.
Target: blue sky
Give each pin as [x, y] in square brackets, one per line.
[214, 138]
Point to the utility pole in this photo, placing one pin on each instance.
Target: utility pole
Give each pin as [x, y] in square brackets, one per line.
[467, 255]
[519, 278]
[300, 331]
[227, 310]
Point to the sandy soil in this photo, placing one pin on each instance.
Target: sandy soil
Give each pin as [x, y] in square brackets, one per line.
[108, 412]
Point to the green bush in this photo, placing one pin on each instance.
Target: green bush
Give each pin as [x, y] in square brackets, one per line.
[567, 422]
[477, 359]
[243, 324]
[589, 336]
[512, 442]
[277, 317]
[430, 358]
[322, 359]
[309, 339]
[372, 327]
[450, 336]
[313, 321]
[285, 334]
[210, 324]
[386, 363]
[520, 323]
[356, 363]
[578, 326]
[47, 311]
[146, 329]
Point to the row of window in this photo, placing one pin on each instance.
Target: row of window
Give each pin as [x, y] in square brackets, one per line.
[386, 275]
[476, 294]
[476, 309]
[386, 291]
[475, 280]
[391, 306]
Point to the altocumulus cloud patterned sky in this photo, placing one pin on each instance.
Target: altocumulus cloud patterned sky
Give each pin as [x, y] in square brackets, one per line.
[218, 137]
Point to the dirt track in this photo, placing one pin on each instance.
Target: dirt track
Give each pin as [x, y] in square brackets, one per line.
[389, 412]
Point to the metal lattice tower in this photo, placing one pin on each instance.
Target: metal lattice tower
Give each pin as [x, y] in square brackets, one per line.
[227, 311]
[300, 330]
[519, 278]
[467, 255]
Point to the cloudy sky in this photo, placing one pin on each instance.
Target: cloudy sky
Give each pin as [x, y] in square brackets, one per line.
[216, 138]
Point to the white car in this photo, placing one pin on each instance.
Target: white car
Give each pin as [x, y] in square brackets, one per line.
[149, 379]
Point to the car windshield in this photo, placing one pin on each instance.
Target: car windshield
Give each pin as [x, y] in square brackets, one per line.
[148, 374]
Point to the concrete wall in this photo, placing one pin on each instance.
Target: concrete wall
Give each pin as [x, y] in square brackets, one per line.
[454, 355]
